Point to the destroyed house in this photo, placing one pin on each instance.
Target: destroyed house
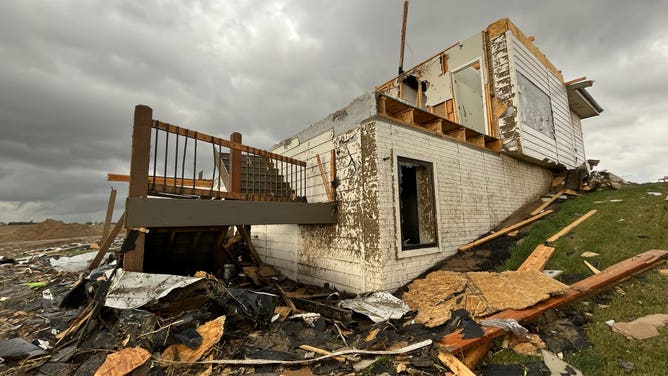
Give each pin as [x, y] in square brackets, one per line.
[381, 190]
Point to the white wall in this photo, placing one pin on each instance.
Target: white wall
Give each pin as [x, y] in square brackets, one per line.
[562, 148]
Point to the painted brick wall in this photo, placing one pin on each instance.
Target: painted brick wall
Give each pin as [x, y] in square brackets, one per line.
[475, 190]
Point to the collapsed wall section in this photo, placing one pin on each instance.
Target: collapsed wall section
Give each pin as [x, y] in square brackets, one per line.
[475, 190]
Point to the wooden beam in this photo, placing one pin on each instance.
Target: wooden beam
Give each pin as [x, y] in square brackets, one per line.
[537, 259]
[162, 180]
[454, 342]
[504, 231]
[568, 228]
[459, 134]
[494, 145]
[435, 126]
[249, 242]
[381, 105]
[332, 173]
[575, 80]
[328, 188]
[407, 115]
[235, 165]
[110, 213]
[547, 203]
[108, 241]
[141, 153]
[454, 364]
[158, 212]
[591, 267]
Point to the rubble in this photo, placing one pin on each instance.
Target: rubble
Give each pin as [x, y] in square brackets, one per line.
[605, 180]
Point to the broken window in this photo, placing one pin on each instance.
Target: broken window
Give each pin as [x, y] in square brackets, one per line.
[535, 107]
[417, 204]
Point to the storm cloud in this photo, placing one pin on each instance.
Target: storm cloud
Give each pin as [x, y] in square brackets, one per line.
[73, 71]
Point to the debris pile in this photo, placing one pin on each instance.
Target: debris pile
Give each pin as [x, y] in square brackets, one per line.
[605, 180]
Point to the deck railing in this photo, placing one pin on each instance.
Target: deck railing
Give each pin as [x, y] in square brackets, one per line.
[173, 161]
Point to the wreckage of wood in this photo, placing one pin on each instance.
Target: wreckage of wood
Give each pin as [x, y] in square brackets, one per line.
[455, 365]
[568, 228]
[588, 286]
[107, 243]
[504, 231]
[243, 362]
[547, 203]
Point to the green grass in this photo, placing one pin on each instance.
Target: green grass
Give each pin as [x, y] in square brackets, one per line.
[618, 230]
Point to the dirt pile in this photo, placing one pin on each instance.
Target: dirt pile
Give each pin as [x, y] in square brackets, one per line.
[48, 229]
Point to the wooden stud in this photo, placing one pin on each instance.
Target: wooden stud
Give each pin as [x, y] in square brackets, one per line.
[435, 126]
[504, 231]
[450, 112]
[568, 228]
[454, 364]
[328, 188]
[547, 203]
[332, 173]
[104, 247]
[110, 213]
[247, 239]
[444, 63]
[381, 104]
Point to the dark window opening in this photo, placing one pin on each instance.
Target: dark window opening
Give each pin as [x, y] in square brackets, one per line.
[416, 204]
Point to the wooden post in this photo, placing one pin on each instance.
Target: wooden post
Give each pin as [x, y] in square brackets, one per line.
[235, 165]
[110, 213]
[138, 187]
[403, 38]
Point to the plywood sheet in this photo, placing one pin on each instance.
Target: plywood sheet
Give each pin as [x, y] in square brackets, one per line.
[480, 293]
[515, 289]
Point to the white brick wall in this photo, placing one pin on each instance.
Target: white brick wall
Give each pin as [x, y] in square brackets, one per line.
[475, 190]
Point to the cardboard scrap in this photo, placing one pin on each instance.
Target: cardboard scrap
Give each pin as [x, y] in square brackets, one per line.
[123, 362]
[211, 333]
[589, 254]
[480, 293]
[641, 328]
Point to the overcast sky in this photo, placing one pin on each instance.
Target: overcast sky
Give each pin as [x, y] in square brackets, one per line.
[72, 72]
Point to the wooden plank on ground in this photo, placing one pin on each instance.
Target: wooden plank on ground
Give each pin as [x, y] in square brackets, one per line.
[537, 259]
[586, 287]
[454, 364]
[568, 228]
[591, 267]
[547, 203]
[504, 231]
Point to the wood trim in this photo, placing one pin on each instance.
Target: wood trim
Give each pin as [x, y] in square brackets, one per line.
[586, 287]
[504, 231]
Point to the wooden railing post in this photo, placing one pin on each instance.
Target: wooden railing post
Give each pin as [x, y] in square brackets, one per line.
[235, 165]
[138, 187]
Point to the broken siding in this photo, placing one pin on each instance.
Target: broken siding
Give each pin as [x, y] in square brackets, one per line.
[560, 149]
[475, 190]
[504, 100]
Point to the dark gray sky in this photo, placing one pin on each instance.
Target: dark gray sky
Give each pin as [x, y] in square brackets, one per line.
[72, 72]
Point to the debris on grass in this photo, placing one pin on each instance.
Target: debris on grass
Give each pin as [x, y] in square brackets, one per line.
[641, 328]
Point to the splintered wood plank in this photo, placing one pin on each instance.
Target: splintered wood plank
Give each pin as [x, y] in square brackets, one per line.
[547, 203]
[455, 365]
[504, 231]
[568, 228]
[475, 354]
[107, 243]
[537, 259]
[586, 287]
